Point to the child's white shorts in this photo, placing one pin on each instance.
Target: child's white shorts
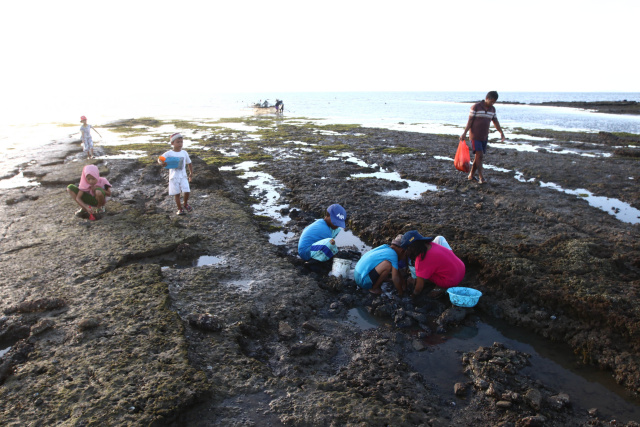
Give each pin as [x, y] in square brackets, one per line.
[180, 185]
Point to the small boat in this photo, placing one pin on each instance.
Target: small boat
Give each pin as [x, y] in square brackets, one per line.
[260, 109]
[265, 108]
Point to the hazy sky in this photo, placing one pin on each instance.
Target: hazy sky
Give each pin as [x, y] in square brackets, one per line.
[53, 47]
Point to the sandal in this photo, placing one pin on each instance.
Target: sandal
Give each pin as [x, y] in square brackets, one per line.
[181, 212]
[188, 207]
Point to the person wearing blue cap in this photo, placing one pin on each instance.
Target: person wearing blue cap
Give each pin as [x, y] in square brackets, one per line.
[317, 239]
[435, 263]
[375, 266]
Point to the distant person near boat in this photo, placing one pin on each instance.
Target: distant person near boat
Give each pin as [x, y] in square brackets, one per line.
[480, 118]
[265, 107]
[279, 106]
[85, 132]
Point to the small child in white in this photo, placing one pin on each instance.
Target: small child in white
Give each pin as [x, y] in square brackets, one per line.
[178, 179]
[85, 132]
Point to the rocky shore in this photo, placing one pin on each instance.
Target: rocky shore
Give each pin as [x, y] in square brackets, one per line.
[608, 107]
[113, 322]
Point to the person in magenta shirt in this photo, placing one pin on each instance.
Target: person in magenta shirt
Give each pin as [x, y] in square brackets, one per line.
[435, 264]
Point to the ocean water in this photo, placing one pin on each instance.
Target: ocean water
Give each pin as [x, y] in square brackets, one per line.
[24, 128]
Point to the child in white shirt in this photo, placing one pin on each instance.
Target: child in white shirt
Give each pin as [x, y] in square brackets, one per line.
[178, 179]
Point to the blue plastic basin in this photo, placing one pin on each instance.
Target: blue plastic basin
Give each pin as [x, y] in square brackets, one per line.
[172, 162]
[464, 297]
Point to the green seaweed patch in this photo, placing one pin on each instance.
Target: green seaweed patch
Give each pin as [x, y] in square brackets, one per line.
[264, 223]
[334, 147]
[342, 128]
[626, 134]
[129, 123]
[221, 160]
[186, 124]
[400, 150]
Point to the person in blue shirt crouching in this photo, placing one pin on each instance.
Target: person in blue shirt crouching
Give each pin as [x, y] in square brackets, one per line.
[375, 266]
[317, 239]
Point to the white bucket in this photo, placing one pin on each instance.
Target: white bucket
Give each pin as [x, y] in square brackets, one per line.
[341, 267]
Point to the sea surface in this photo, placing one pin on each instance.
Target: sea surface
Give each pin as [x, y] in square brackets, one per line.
[24, 128]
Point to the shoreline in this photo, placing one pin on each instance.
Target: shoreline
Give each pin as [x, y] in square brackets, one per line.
[607, 107]
[122, 318]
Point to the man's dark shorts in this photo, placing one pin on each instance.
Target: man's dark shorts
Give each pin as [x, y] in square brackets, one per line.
[374, 276]
[479, 146]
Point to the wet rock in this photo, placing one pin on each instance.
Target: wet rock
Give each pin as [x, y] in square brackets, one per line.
[336, 306]
[184, 251]
[593, 412]
[504, 404]
[18, 354]
[384, 310]
[295, 213]
[285, 331]
[311, 326]
[88, 323]
[494, 390]
[42, 326]
[533, 397]
[405, 322]
[300, 349]
[541, 315]
[558, 401]
[418, 345]
[418, 317]
[460, 389]
[532, 421]
[334, 283]
[452, 316]
[481, 384]
[43, 304]
[205, 322]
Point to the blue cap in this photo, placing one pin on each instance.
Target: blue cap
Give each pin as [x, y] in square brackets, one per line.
[412, 236]
[338, 215]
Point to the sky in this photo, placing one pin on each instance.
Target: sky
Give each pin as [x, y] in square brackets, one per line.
[51, 48]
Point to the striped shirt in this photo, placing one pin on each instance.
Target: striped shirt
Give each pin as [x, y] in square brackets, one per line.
[482, 116]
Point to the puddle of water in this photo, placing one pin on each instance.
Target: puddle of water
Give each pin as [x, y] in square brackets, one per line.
[552, 148]
[280, 237]
[265, 188]
[347, 238]
[18, 181]
[202, 261]
[4, 351]
[210, 260]
[350, 157]
[552, 363]
[413, 191]
[363, 320]
[621, 210]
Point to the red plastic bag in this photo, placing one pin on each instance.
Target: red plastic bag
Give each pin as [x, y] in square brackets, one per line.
[462, 161]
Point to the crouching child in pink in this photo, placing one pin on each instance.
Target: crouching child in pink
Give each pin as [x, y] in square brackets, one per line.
[91, 194]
